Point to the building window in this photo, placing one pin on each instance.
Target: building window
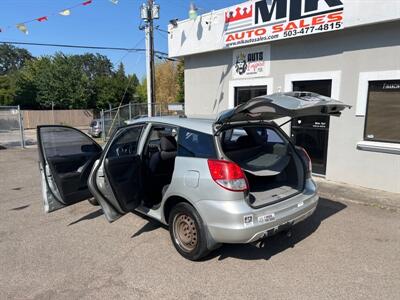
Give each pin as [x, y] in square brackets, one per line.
[245, 93]
[382, 122]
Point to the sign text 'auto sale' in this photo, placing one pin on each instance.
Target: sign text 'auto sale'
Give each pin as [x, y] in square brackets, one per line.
[267, 20]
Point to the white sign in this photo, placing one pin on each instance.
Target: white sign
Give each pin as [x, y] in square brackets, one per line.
[251, 62]
[261, 21]
[175, 107]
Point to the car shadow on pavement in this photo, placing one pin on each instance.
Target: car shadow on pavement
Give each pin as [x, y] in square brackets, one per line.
[280, 242]
[89, 216]
[148, 227]
[151, 225]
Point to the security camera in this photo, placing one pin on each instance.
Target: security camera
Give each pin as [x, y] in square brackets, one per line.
[174, 22]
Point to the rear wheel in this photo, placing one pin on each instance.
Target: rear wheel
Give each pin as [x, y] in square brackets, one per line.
[187, 232]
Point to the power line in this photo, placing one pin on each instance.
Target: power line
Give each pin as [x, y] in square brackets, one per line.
[81, 47]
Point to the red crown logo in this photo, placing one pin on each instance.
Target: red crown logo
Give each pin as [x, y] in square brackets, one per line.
[240, 14]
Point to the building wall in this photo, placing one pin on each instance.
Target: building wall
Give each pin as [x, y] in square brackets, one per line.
[207, 83]
[341, 56]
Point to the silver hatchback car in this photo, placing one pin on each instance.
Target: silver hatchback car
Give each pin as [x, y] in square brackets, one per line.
[236, 179]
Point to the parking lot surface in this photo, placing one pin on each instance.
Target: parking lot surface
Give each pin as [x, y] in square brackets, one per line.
[344, 251]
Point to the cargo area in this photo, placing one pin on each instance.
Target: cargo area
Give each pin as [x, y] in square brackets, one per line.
[273, 170]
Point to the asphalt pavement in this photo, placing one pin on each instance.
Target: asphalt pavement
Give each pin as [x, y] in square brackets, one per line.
[346, 250]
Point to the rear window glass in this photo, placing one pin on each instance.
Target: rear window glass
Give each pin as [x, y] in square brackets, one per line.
[195, 144]
[246, 137]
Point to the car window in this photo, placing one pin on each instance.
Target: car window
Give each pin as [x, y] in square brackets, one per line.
[157, 132]
[270, 136]
[232, 135]
[195, 144]
[126, 143]
[250, 136]
[65, 141]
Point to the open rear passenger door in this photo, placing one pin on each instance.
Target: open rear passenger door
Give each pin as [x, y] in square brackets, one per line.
[116, 179]
[66, 157]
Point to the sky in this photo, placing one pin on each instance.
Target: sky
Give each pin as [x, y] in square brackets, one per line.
[99, 24]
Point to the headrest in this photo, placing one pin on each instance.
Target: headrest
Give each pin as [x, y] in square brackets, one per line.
[168, 143]
[244, 141]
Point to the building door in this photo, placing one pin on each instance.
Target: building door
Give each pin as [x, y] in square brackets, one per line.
[245, 93]
[312, 132]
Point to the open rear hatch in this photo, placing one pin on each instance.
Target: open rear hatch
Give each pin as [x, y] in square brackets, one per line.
[271, 107]
[274, 169]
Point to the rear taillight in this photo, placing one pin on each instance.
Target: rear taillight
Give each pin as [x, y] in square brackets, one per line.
[228, 175]
[307, 160]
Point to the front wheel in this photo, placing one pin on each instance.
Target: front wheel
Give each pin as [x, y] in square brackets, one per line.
[187, 232]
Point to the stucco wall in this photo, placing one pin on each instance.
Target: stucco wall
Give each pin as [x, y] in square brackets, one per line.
[341, 55]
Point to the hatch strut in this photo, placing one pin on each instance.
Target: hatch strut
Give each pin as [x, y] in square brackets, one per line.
[290, 120]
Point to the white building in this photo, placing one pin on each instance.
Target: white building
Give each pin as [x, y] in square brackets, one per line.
[346, 49]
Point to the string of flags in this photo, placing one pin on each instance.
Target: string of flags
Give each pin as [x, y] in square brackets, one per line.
[22, 26]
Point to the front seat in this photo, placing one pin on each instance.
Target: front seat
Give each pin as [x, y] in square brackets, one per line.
[161, 166]
[162, 162]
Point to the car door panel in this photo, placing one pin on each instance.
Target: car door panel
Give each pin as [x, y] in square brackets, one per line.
[123, 173]
[116, 179]
[66, 156]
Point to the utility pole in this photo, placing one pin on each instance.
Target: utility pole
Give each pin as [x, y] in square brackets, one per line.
[150, 11]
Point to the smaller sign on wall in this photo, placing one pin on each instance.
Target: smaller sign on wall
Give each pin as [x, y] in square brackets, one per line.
[251, 62]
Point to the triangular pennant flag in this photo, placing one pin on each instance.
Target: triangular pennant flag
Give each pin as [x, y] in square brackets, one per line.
[65, 12]
[23, 28]
[114, 1]
[42, 19]
[86, 2]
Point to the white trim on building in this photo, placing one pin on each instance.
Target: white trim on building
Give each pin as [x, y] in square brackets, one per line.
[363, 82]
[269, 82]
[335, 76]
[361, 109]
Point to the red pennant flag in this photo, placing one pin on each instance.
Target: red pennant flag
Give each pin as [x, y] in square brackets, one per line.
[87, 2]
[42, 19]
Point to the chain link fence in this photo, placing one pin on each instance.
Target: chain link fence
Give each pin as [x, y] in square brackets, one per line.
[11, 127]
[116, 117]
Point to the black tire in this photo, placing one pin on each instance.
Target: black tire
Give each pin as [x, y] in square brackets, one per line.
[93, 201]
[192, 246]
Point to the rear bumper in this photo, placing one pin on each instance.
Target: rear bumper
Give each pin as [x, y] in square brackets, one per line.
[237, 222]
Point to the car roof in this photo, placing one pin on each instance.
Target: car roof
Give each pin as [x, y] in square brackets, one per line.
[197, 124]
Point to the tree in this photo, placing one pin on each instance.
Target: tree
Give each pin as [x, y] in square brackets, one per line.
[94, 66]
[12, 58]
[166, 78]
[61, 82]
[7, 90]
[180, 81]
[65, 81]
[142, 90]
[117, 89]
[26, 89]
